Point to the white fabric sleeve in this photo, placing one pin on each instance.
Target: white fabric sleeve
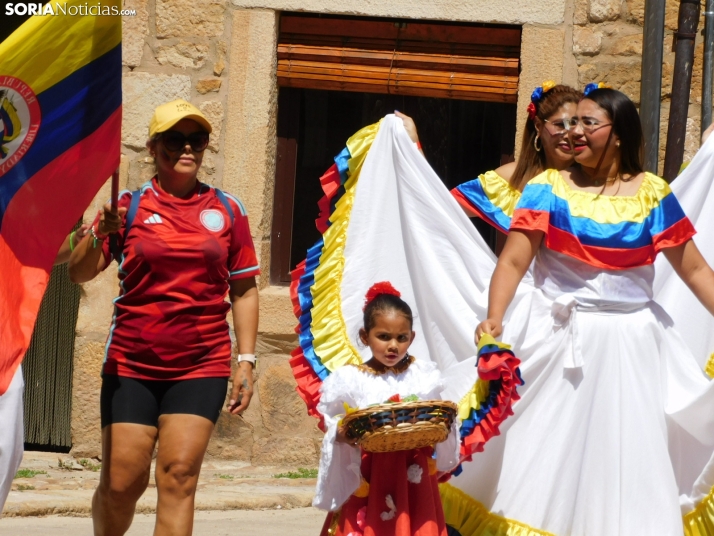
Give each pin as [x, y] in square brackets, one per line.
[339, 472]
[447, 452]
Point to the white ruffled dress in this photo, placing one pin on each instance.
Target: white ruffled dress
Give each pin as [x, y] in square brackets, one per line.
[339, 473]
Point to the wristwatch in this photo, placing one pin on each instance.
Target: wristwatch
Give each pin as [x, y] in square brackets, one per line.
[247, 357]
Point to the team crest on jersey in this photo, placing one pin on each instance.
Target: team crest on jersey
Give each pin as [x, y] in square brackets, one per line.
[212, 220]
[19, 121]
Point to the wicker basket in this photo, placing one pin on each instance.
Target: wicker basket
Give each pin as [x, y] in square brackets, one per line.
[401, 426]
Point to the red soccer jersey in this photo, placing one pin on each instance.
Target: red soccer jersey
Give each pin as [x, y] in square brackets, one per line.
[170, 317]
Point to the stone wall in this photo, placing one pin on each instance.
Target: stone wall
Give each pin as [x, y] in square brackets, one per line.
[607, 46]
[221, 55]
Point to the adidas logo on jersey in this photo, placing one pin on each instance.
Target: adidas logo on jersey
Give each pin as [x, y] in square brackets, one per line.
[154, 218]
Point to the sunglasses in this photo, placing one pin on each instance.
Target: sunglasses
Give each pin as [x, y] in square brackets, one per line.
[174, 140]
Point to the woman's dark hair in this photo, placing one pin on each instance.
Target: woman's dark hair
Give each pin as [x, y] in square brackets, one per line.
[384, 303]
[531, 162]
[625, 124]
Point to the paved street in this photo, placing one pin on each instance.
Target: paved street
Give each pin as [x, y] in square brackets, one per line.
[295, 522]
[52, 495]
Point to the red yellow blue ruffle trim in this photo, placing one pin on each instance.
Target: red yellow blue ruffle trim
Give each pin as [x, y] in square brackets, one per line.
[471, 518]
[322, 336]
[490, 401]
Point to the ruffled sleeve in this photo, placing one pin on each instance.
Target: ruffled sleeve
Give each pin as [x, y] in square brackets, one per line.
[491, 197]
[668, 225]
[339, 472]
[426, 375]
[532, 213]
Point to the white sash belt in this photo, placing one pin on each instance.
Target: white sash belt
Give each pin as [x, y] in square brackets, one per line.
[565, 311]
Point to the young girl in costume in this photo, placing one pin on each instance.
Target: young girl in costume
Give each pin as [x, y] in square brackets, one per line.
[381, 494]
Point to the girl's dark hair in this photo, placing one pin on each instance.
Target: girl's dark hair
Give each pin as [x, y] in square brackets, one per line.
[383, 303]
[531, 162]
[625, 124]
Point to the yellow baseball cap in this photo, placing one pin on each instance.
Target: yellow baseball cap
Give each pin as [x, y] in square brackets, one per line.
[167, 115]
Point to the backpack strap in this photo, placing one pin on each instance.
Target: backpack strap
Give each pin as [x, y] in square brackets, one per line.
[114, 248]
[224, 200]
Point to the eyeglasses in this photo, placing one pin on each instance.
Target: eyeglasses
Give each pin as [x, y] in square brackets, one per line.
[588, 124]
[567, 124]
[174, 140]
[561, 126]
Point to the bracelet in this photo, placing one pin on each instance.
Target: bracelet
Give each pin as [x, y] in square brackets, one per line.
[419, 145]
[98, 237]
[247, 357]
[71, 241]
[96, 233]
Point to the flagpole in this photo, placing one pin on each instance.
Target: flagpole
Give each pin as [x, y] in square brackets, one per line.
[115, 190]
[113, 239]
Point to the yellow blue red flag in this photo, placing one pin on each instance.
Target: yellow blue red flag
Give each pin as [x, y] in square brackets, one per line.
[60, 135]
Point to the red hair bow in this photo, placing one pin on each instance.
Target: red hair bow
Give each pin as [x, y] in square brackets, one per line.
[383, 287]
[531, 111]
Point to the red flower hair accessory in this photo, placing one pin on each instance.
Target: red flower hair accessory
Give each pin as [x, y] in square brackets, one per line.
[531, 111]
[383, 287]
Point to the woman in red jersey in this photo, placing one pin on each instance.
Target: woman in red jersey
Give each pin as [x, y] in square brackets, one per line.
[181, 246]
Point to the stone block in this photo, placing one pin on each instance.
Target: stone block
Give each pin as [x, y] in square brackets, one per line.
[580, 14]
[623, 75]
[271, 343]
[213, 110]
[251, 115]
[541, 59]
[671, 15]
[489, 11]
[143, 92]
[184, 55]
[134, 32]
[282, 408]
[86, 384]
[96, 307]
[290, 451]
[207, 171]
[630, 45]
[206, 85]
[232, 438]
[586, 41]
[276, 312]
[602, 10]
[636, 11]
[220, 64]
[667, 74]
[183, 18]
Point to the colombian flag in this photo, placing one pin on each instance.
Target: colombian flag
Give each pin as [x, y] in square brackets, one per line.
[60, 135]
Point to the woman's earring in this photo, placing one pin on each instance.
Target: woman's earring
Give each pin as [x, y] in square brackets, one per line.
[617, 143]
[535, 144]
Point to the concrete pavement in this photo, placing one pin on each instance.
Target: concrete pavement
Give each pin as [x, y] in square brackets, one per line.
[58, 485]
[295, 522]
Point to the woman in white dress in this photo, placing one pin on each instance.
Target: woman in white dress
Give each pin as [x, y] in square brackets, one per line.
[614, 431]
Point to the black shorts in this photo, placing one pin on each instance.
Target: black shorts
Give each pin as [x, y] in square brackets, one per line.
[142, 401]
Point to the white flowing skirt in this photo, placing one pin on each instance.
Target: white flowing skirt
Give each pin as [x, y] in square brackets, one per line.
[606, 448]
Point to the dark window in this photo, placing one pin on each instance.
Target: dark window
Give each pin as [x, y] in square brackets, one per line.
[461, 139]
[334, 81]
